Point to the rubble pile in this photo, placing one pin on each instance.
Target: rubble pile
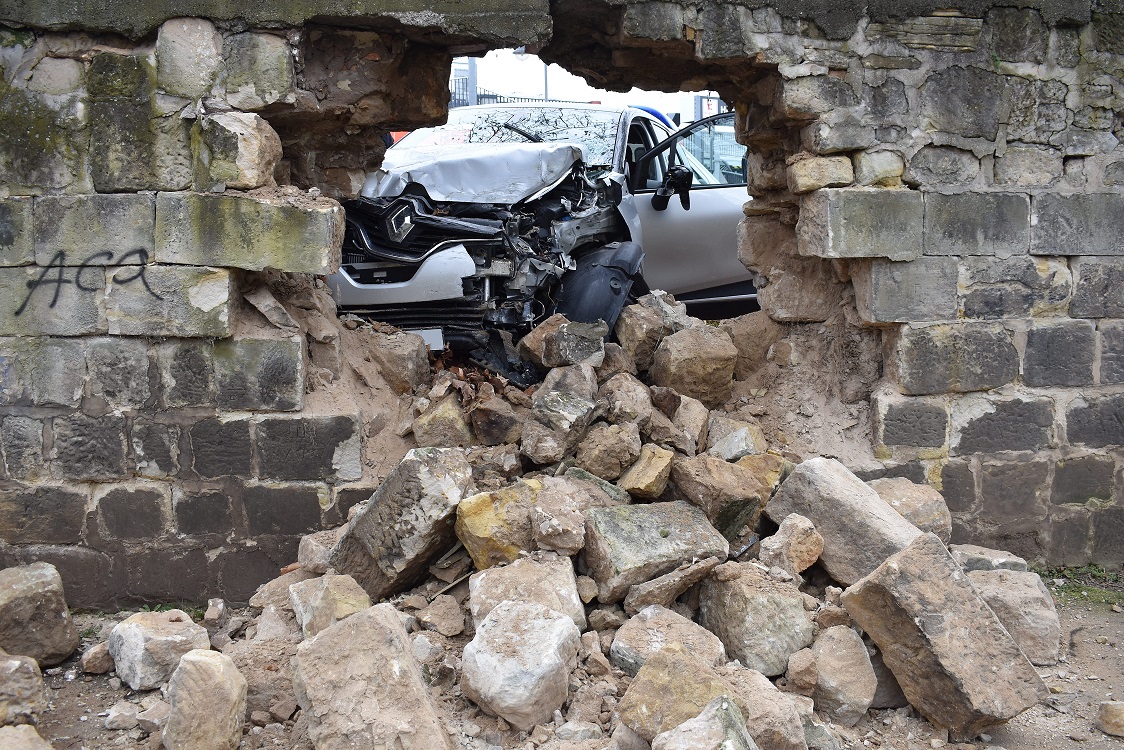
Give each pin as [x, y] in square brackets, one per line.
[579, 567]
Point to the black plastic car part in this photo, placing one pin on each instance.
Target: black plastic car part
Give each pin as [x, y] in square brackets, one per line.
[598, 289]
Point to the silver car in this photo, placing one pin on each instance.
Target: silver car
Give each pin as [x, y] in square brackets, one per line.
[509, 213]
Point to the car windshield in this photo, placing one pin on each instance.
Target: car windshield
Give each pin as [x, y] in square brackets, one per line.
[594, 129]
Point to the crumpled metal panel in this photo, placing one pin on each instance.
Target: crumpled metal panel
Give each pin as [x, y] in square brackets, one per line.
[504, 173]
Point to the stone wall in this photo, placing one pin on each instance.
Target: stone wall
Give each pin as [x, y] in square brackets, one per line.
[179, 404]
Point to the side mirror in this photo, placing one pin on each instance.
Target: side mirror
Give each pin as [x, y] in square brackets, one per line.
[677, 181]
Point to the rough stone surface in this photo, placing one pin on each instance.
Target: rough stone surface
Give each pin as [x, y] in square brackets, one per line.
[647, 478]
[991, 224]
[893, 292]
[407, 523]
[23, 737]
[729, 494]
[1110, 718]
[961, 670]
[771, 716]
[243, 150]
[1023, 604]
[321, 602]
[720, 726]
[846, 681]
[919, 504]
[207, 703]
[147, 646]
[315, 550]
[631, 544]
[655, 627]
[697, 362]
[972, 557]
[608, 450]
[22, 695]
[629, 399]
[547, 579]
[496, 526]
[34, 619]
[189, 55]
[794, 547]
[955, 358]
[387, 701]
[443, 424]
[861, 223]
[517, 665]
[96, 659]
[665, 589]
[760, 621]
[811, 174]
[859, 529]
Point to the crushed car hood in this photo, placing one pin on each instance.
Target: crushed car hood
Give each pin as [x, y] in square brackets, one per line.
[475, 172]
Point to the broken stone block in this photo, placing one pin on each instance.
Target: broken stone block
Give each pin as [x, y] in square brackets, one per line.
[23, 737]
[846, 680]
[258, 71]
[541, 444]
[665, 433]
[693, 418]
[207, 703]
[879, 168]
[545, 579]
[275, 593]
[401, 358]
[654, 627]
[388, 702]
[530, 347]
[732, 439]
[1023, 604]
[322, 602]
[647, 478]
[495, 422]
[971, 557]
[639, 330]
[155, 718]
[814, 173]
[34, 619]
[794, 547]
[665, 589]
[1110, 718]
[188, 57]
[147, 646]
[770, 715]
[629, 400]
[728, 494]
[22, 695]
[673, 686]
[697, 362]
[443, 424]
[97, 660]
[720, 726]
[859, 528]
[407, 523]
[121, 715]
[315, 550]
[631, 544]
[444, 615]
[961, 670]
[761, 621]
[919, 504]
[609, 449]
[769, 468]
[517, 666]
[243, 151]
[495, 526]
[574, 343]
[558, 527]
[801, 675]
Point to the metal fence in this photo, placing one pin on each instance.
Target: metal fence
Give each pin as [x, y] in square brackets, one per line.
[461, 95]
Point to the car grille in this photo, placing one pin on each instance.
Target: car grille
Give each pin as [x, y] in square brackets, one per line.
[455, 316]
[366, 237]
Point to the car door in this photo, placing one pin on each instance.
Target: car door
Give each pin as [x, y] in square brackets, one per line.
[693, 252]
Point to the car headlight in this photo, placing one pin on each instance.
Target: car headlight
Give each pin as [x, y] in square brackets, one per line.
[400, 223]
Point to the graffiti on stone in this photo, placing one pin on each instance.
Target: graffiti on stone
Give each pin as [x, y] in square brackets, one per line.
[57, 274]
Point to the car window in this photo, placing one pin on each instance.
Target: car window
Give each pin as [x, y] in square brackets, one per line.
[708, 148]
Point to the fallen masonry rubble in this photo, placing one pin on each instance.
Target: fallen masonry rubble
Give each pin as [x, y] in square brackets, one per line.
[608, 589]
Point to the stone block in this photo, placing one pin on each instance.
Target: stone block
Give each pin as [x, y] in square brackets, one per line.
[1028, 166]
[909, 421]
[161, 300]
[303, 236]
[807, 97]
[1111, 335]
[697, 362]
[91, 579]
[207, 701]
[242, 151]
[221, 447]
[1059, 354]
[1098, 288]
[646, 634]
[878, 168]
[918, 503]
[165, 575]
[1108, 536]
[963, 101]
[16, 245]
[90, 448]
[1023, 604]
[22, 697]
[42, 515]
[955, 358]
[119, 229]
[53, 300]
[1078, 224]
[1012, 501]
[188, 57]
[985, 425]
[546, 579]
[960, 670]
[933, 166]
[1097, 422]
[496, 527]
[730, 495]
[958, 486]
[308, 448]
[41, 371]
[861, 223]
[259, 70]
[814, 173]
[200, 513]
[836, 132]
[289, 510]
[187, 372]
[262, 374]
[21, 448]
[1016, 287]
[1019, 34]
[34, 619]
[51, 156]
[721, 724]
[132, 514]
[156, 448]
[994, 224]
[847, 682]
[321, 602]
[118, 372]
[147, 646]
[914, 291]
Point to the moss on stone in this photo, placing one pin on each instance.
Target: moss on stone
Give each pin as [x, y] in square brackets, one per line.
[36, 147]
[114, 76]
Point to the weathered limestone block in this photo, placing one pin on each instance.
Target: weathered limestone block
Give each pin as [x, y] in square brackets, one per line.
[22, 696]
[960, 670]
[443, 424]
[387, 703]
[846, 684]
[23, 737]
[312, 447]
[837, 131]
[322, 602]
[991, 224]
[17, 246]
[407, 523]
[919, 504]
[1019, 287]
[517, 666]
[641, 327]
[315, 550]
[45, 301]
[729, 494]
[991, 425]
[165, 300]
[794, 547]
[814, 173]
[733, 439]
[664, 590]
[262, 374]
[573, 343]
[298, 234]
[806, 97]
[908, 421]
[495, 526]
[1110, 718]
[878, 168]
[1080, 224]
[942, 165]
[66, 224]
[861, 223]
[629, 400]
[258, 71]
[655, 627]
[495, 422]
[188, 57]
[242, 151]
[96, 659]
[769, 468]
[859, 528]
[1028, 166]
[697, 362]
[955, 358]
[1023, 604]
[207, 703]
[647, 478]
[761, 621]
[147, 646]
[891, 292]
[720, 726]
[972, 557]
[771, 716]
[547, 579]
[34, 619]
[631, 544]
